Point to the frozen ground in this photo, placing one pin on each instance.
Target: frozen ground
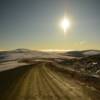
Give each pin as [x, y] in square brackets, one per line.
[10, 65]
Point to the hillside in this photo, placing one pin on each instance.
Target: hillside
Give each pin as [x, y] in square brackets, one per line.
[82, 53]
[89, 65]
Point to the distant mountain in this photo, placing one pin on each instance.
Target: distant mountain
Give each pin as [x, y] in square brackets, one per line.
[83, 53]
[74, 53]
[91, 52]
[19, 54]
[22, 50]
[26, 53]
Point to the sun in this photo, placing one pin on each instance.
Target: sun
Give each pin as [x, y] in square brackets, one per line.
[65, 24]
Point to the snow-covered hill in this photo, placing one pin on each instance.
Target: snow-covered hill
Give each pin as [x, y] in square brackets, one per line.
[91, 52]
[10, 59]
[83, 53]
[25, 53]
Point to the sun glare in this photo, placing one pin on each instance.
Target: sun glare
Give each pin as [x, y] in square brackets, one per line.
[65, 24]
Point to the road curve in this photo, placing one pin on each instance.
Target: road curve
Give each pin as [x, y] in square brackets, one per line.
[39, 82]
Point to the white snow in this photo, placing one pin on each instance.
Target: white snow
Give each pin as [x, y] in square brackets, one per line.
[32, 54]
[9, 59]
[89, 53]
[10, 65]
[94, 63]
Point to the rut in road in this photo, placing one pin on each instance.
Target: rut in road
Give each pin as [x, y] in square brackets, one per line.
[42, 83]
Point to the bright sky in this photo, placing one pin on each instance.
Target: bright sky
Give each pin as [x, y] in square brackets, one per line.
[34, 24]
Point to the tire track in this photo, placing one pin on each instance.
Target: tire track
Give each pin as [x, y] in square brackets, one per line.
[35, 85]
[31, 94]
[59, 94]
[47, 87]
[67, 87]
[26, 87]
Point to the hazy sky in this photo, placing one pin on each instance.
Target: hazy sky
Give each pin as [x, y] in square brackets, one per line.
[34, 24]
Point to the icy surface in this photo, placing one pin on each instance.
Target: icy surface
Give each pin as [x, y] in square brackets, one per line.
[10, 65]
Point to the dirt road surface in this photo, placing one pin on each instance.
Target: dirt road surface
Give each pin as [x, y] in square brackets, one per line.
[39, 82]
